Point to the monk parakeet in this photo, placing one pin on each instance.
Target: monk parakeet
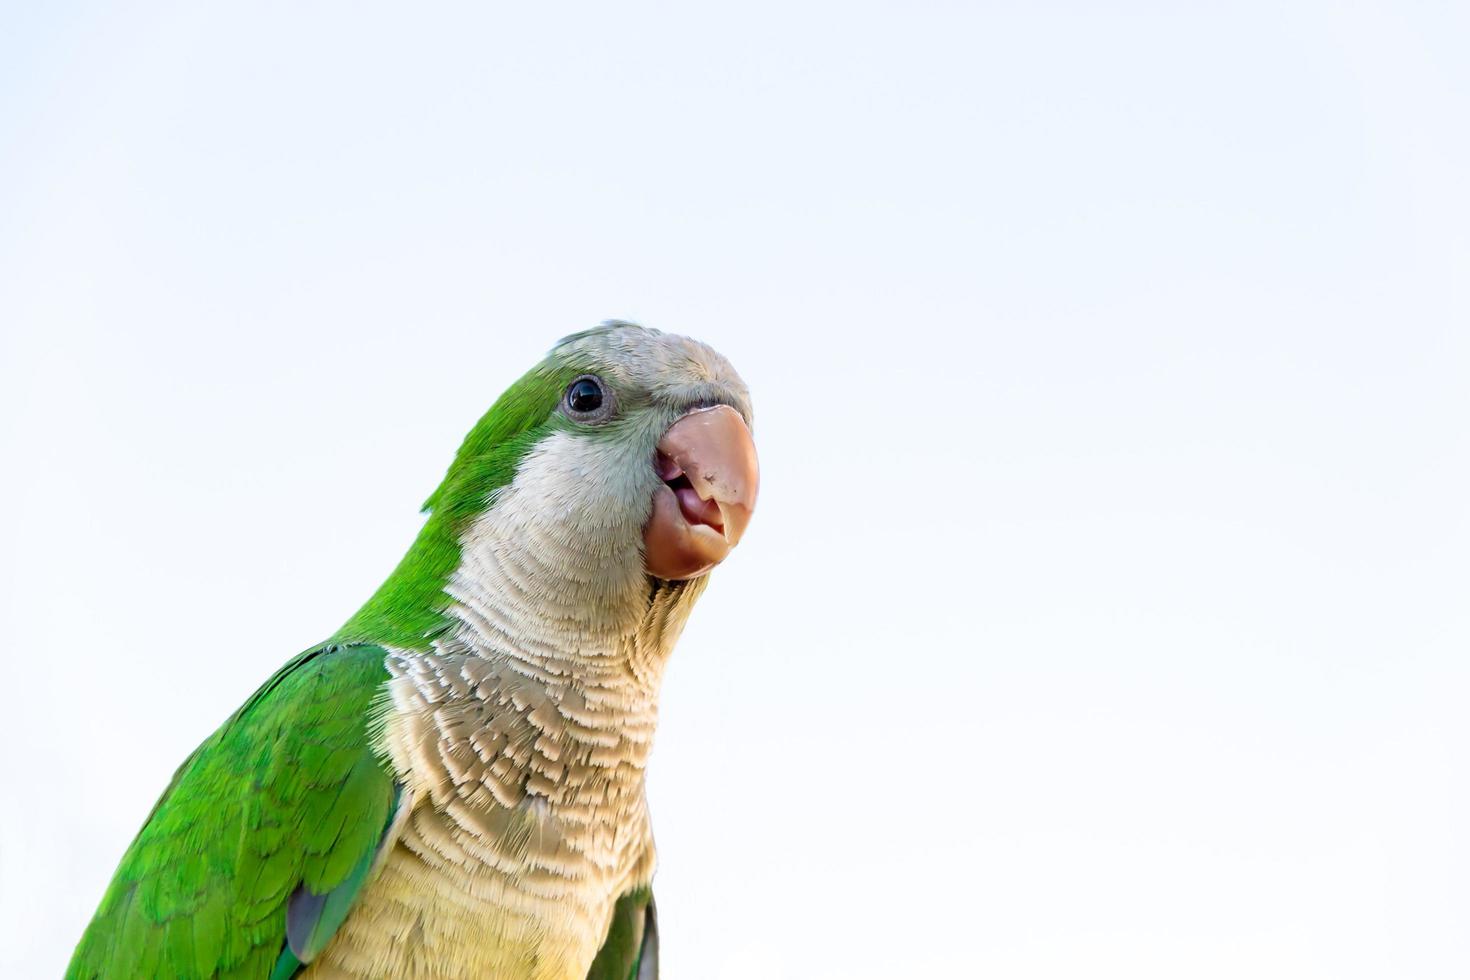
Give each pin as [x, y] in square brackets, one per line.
[453, 784]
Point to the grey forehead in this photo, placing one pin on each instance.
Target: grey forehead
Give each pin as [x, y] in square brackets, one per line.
[669, 367]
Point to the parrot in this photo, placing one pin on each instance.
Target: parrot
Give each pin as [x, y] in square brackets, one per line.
[453, 784]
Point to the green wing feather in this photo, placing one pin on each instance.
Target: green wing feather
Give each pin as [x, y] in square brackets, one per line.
[287, 798]
[630, 951]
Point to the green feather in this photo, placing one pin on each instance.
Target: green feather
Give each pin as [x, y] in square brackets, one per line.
[631, 942]
[288, 791]
[286, 966]
[409, 607]
[334, 911]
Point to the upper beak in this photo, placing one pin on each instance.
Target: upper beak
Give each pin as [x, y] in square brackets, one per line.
[711, 477]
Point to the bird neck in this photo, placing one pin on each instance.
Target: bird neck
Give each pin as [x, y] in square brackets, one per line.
[604, 631]
[562, 600]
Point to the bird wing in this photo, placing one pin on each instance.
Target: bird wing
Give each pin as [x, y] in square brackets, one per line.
[630, 951]
[253, 855]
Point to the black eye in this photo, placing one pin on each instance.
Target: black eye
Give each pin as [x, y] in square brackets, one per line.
[584, 396]
[587, 400]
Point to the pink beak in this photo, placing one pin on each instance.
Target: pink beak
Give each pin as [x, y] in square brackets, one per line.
[708, 464]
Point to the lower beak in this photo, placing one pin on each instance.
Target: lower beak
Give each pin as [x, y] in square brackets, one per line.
[708, 464]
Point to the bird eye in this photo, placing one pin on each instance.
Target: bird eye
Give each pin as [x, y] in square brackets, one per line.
[587, 400]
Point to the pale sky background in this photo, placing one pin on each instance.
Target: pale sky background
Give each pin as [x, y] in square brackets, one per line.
[1106, 613]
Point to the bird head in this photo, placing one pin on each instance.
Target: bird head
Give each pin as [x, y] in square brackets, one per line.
[657, 431]
[623, 457]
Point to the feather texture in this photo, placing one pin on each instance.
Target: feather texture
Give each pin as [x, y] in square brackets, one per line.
[503, 681]
[630, 951]
[288, 794]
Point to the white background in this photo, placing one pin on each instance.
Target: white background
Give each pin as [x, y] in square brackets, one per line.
[1107, 609]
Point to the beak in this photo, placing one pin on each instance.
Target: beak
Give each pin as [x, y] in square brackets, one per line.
[707, 462]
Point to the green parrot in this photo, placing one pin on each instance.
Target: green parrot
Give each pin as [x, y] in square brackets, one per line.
[453, 784]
